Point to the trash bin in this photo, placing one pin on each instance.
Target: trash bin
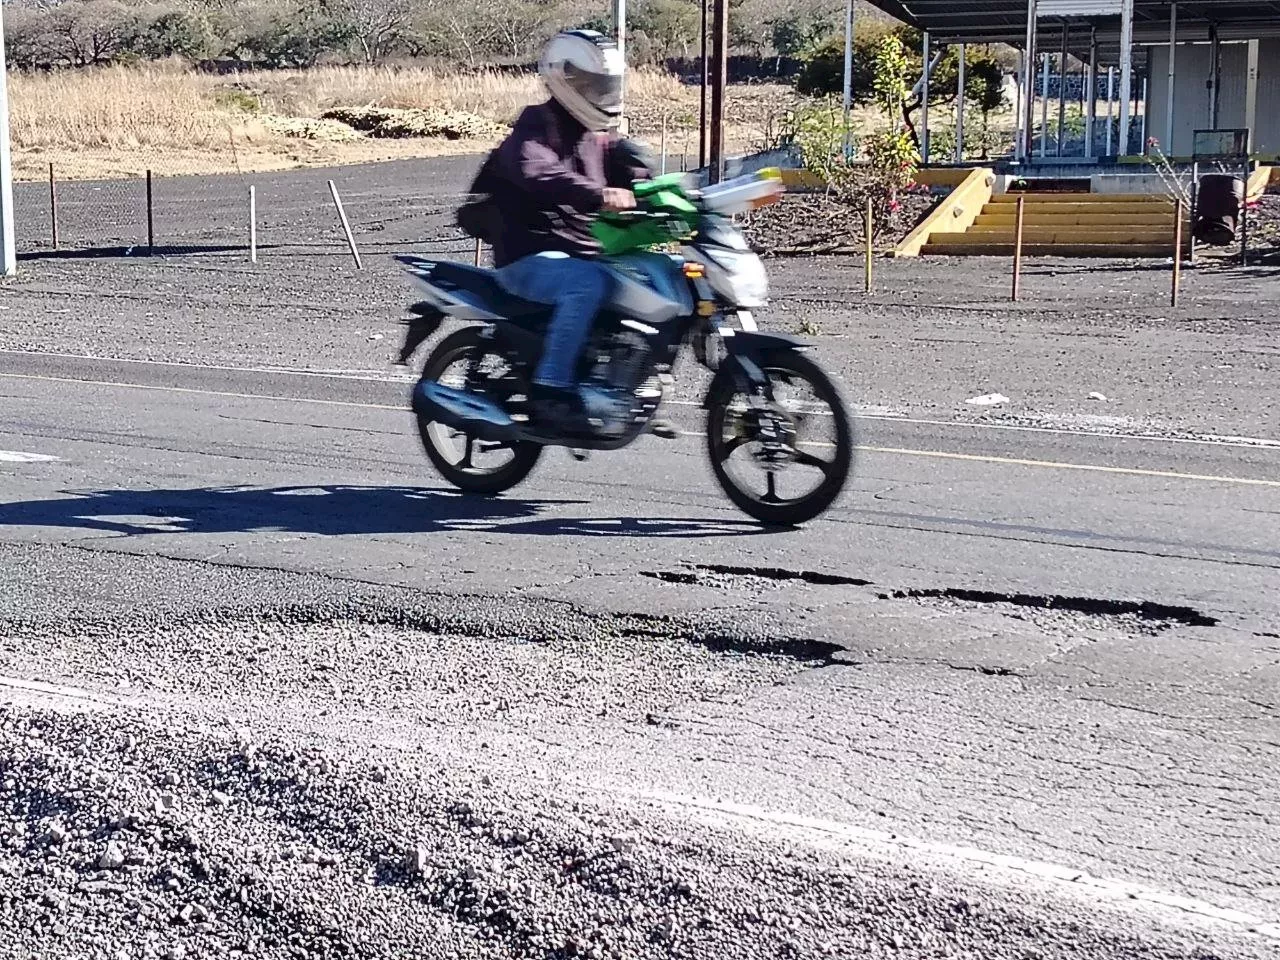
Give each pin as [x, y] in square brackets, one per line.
[1218, 202]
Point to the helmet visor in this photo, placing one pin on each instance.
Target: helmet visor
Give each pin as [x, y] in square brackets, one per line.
[601, 90]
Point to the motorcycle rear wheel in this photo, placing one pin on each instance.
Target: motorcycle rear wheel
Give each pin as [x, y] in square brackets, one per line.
[729, 432]
[460, 348]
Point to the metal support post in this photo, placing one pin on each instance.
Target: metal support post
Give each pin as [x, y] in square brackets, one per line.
[1195, 205]
[1062, 89]
[1044, 105]
[1215, 75]
[1252, 52]
[1111, 99]
[1146, 112]
[1029, 94]
[1173, 73]
[1126, 75]
[1091, 98]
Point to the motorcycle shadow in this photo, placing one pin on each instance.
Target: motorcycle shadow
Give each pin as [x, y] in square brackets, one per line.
[335, 510]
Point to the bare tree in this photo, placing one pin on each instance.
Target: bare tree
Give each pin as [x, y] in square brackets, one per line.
[379, 26]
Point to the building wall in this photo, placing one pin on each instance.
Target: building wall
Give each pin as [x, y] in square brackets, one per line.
[1191, 96]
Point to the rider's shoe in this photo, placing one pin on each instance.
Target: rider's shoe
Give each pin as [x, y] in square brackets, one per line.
[557, 411]
[664, 429]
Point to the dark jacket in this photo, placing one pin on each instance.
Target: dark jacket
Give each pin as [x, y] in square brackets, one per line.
[548, 179]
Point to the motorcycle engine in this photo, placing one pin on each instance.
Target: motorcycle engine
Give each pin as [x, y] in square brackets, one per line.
[621, 362]
[626, 355]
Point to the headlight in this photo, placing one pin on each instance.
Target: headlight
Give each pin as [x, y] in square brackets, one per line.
[738, 276]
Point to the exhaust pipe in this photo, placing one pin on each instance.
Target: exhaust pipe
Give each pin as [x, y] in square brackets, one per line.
[468, 412]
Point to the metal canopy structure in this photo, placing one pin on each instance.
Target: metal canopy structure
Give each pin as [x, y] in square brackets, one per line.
[1097, 33]
[1005, 21]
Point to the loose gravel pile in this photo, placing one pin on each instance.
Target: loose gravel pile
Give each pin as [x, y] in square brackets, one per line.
[124, 835]
[391, 123]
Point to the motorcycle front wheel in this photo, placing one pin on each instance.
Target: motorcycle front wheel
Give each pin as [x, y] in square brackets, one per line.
[465, 360]
[786, 462]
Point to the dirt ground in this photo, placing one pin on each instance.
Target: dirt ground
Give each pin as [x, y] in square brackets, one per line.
[815, 223]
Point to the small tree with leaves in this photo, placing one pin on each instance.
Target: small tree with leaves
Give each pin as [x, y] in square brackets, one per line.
[891, 150]
[891, 156]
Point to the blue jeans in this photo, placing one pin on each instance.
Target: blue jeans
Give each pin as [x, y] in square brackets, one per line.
[576, 289]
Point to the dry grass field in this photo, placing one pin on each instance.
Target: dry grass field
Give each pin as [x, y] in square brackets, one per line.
[120, 121]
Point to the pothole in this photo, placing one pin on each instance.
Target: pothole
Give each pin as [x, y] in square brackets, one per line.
[339, 661]
[726, 576]
[1134, 616]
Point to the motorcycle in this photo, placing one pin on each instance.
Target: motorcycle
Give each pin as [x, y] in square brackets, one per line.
[777, 433]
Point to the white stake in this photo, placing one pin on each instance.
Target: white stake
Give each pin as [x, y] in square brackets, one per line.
[8, 243]
[253, 224]
[346, 226]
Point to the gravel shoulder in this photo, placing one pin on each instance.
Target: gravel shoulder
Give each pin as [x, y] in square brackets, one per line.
[136, 836]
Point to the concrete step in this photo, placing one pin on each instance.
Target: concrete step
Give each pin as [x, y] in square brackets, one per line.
[1109, 250]
[1117, 234]
[1038, 218]
[1035, 199]
[1119, 208]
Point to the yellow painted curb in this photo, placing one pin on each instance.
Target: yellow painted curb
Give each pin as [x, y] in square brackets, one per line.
[955, 214]
[1260, 179]
[801, 179]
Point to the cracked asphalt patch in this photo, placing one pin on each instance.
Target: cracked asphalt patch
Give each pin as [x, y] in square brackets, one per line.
[132, 838]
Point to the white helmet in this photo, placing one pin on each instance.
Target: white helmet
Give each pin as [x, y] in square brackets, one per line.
[583, 71]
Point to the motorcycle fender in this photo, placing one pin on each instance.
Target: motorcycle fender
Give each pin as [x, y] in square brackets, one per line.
[740, 370]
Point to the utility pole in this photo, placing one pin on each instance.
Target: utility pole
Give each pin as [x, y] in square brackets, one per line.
[719, 79]
[8, 246]
[620, 26]
[702, 105]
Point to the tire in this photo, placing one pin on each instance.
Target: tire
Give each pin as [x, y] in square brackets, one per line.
[781, 364]
[453, 349]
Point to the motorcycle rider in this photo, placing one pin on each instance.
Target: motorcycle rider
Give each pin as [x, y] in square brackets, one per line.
[562, 164]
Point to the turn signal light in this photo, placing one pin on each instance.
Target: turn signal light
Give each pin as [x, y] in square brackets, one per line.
[695, 271]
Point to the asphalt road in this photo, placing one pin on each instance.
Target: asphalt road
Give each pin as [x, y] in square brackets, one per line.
[1036, 647]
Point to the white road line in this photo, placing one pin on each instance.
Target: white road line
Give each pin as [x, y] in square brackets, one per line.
[58, 690]
[19, 456]
[891, 846]
[373, 376]
[1059, 465]
[898, 451]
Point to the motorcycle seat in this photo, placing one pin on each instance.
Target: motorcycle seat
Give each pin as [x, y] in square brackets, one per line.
[482, 288]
